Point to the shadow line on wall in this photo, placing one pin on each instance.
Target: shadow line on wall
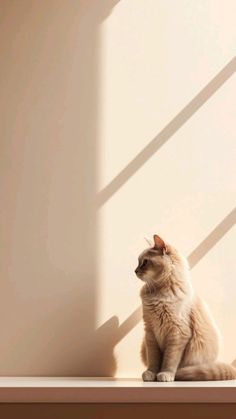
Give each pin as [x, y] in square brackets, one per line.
[166, 133]
[212, 239]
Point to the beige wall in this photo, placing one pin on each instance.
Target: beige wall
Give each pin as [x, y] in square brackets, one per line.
[117, 121]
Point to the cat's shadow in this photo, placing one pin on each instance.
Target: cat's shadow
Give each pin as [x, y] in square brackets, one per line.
[97, 352]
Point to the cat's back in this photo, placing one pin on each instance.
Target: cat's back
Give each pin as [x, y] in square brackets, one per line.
[202, 321]
[205, 336]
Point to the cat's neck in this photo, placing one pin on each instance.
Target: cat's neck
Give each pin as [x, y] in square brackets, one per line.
[175, 287]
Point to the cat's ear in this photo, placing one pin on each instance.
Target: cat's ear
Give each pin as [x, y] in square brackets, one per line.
[159, 244]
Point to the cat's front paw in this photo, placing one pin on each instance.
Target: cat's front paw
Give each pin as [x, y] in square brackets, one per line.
[149, 376]
[165, 376]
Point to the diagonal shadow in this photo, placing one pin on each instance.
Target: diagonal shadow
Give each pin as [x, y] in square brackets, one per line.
[201, 250]
[166, 133]
[212, 239]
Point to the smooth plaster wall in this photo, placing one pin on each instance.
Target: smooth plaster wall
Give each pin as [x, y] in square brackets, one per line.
[117, 122]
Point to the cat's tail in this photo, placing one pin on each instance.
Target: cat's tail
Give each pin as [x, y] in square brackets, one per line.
[207, 372]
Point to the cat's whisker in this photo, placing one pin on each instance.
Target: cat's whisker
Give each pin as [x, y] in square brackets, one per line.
[149, 242]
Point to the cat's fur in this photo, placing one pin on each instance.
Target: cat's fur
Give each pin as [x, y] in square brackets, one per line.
[181, 339]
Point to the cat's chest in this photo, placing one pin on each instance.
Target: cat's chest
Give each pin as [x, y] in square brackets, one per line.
[159, 317]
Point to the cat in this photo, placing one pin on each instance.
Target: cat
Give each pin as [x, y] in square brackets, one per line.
[181, 338]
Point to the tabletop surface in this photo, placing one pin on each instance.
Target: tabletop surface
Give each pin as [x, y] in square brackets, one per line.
[113, 390]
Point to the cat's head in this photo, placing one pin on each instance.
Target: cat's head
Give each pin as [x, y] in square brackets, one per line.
[164, 269]
[155, 263]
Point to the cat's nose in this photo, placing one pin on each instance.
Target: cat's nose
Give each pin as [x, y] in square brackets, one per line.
[136, 270]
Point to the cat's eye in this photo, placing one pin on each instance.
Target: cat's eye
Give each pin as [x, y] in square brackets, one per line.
[144, 263]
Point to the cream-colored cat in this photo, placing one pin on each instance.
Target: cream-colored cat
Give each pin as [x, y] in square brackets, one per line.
[181, 339]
